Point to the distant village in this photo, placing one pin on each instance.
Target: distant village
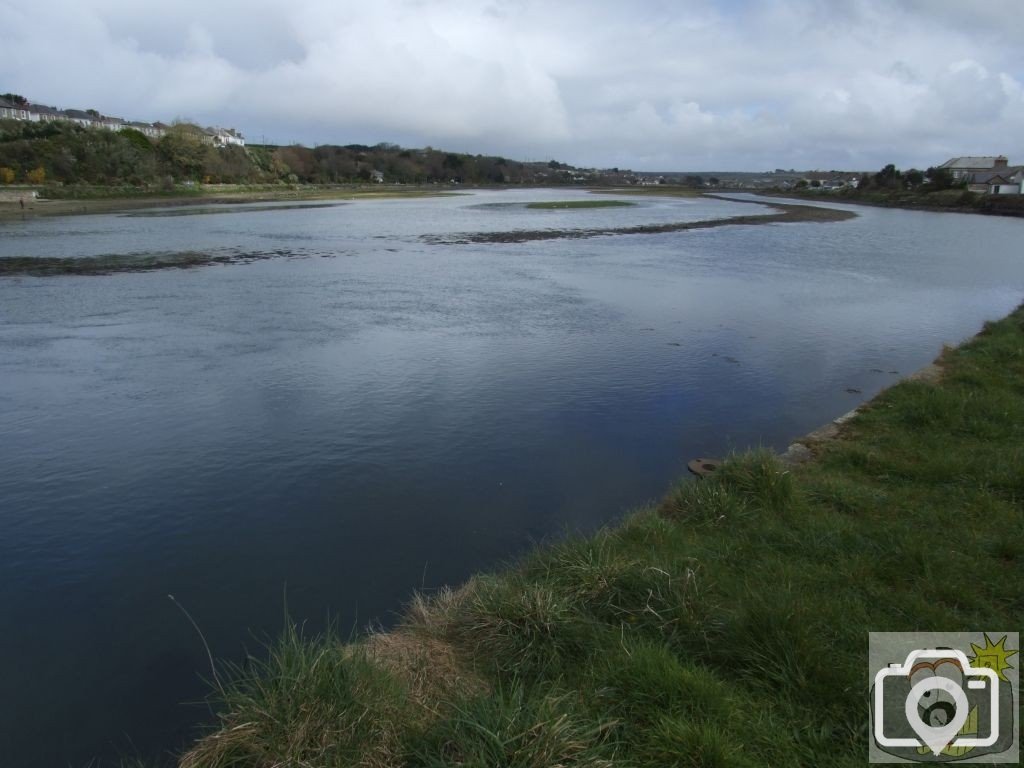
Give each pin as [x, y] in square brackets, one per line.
[990, 174]
[90, 118]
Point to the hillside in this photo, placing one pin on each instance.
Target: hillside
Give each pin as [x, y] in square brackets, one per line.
[64, 153]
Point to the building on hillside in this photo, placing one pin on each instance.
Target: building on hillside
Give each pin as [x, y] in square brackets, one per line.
[962, 168]
[11, 111]
[90, 118]
[213, 137]
[81, 117]
[43, 114]
[227, 137]
[987, 175]
[153, 131]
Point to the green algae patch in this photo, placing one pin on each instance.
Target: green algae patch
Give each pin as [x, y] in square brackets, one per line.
[558, 205]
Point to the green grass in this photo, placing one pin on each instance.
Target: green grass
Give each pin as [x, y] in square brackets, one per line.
[573, 204]
[116, 192]
[960, 200]
[311, 701]
[726, 626]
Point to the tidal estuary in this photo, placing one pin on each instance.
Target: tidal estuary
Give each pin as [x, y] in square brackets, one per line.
[352, 401]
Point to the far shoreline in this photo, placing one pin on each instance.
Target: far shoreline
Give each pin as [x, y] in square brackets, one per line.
[40, 207]
[907, 204]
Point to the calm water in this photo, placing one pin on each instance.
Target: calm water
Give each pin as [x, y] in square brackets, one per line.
[378, 413]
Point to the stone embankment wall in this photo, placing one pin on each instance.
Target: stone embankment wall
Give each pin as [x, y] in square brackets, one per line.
[14, 195]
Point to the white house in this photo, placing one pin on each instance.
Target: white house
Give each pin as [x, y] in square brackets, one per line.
[226, 137]
[40, 113]
[153, 131]
[1008, 182]
[12, 111]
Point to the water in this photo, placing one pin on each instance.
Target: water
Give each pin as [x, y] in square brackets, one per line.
[378, 413]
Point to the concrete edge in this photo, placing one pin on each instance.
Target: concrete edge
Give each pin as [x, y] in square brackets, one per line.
[802, 449]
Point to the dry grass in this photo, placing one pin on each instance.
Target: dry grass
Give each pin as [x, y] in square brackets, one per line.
[428, 667]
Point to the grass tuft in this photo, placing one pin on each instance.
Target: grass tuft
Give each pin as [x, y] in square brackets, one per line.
[522, 629]
[311, 701]
[514, 730]
[759, 479]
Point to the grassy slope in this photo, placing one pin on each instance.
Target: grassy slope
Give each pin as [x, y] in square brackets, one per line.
[727, 627]
[956, 200]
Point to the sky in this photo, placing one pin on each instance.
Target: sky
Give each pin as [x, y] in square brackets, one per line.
[647, 85]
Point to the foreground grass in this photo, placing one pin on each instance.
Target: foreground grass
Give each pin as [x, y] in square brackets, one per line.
[725, 627]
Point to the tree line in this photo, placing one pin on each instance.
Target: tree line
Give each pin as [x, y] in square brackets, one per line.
[893, 179]
[67, 153]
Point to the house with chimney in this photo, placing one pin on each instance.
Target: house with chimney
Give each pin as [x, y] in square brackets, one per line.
[988, 175]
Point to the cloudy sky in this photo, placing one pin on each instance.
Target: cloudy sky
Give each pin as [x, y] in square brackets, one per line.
[648, 85]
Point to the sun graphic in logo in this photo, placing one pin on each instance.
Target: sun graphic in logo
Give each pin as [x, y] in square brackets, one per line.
[992, 656]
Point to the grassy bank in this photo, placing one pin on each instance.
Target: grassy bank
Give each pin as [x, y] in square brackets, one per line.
[946, 200]
[726, 626]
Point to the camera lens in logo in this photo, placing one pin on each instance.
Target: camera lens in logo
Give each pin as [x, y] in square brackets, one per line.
[944, 718]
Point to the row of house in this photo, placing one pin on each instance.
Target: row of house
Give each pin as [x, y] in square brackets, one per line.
[38, 113]
[830, 179]
[990, 175]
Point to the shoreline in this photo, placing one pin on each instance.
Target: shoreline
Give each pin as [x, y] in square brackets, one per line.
[728, 618]
[828, 197]
[72, 207]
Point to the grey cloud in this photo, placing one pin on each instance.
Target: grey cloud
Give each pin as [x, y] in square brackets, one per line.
[716, 84]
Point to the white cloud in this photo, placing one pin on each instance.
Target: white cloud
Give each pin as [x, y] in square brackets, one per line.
[715, 84]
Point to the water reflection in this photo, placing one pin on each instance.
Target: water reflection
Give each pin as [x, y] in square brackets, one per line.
[352, 428]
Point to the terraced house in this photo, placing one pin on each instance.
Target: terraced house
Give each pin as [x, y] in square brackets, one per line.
[11, 111]
[90, 118]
